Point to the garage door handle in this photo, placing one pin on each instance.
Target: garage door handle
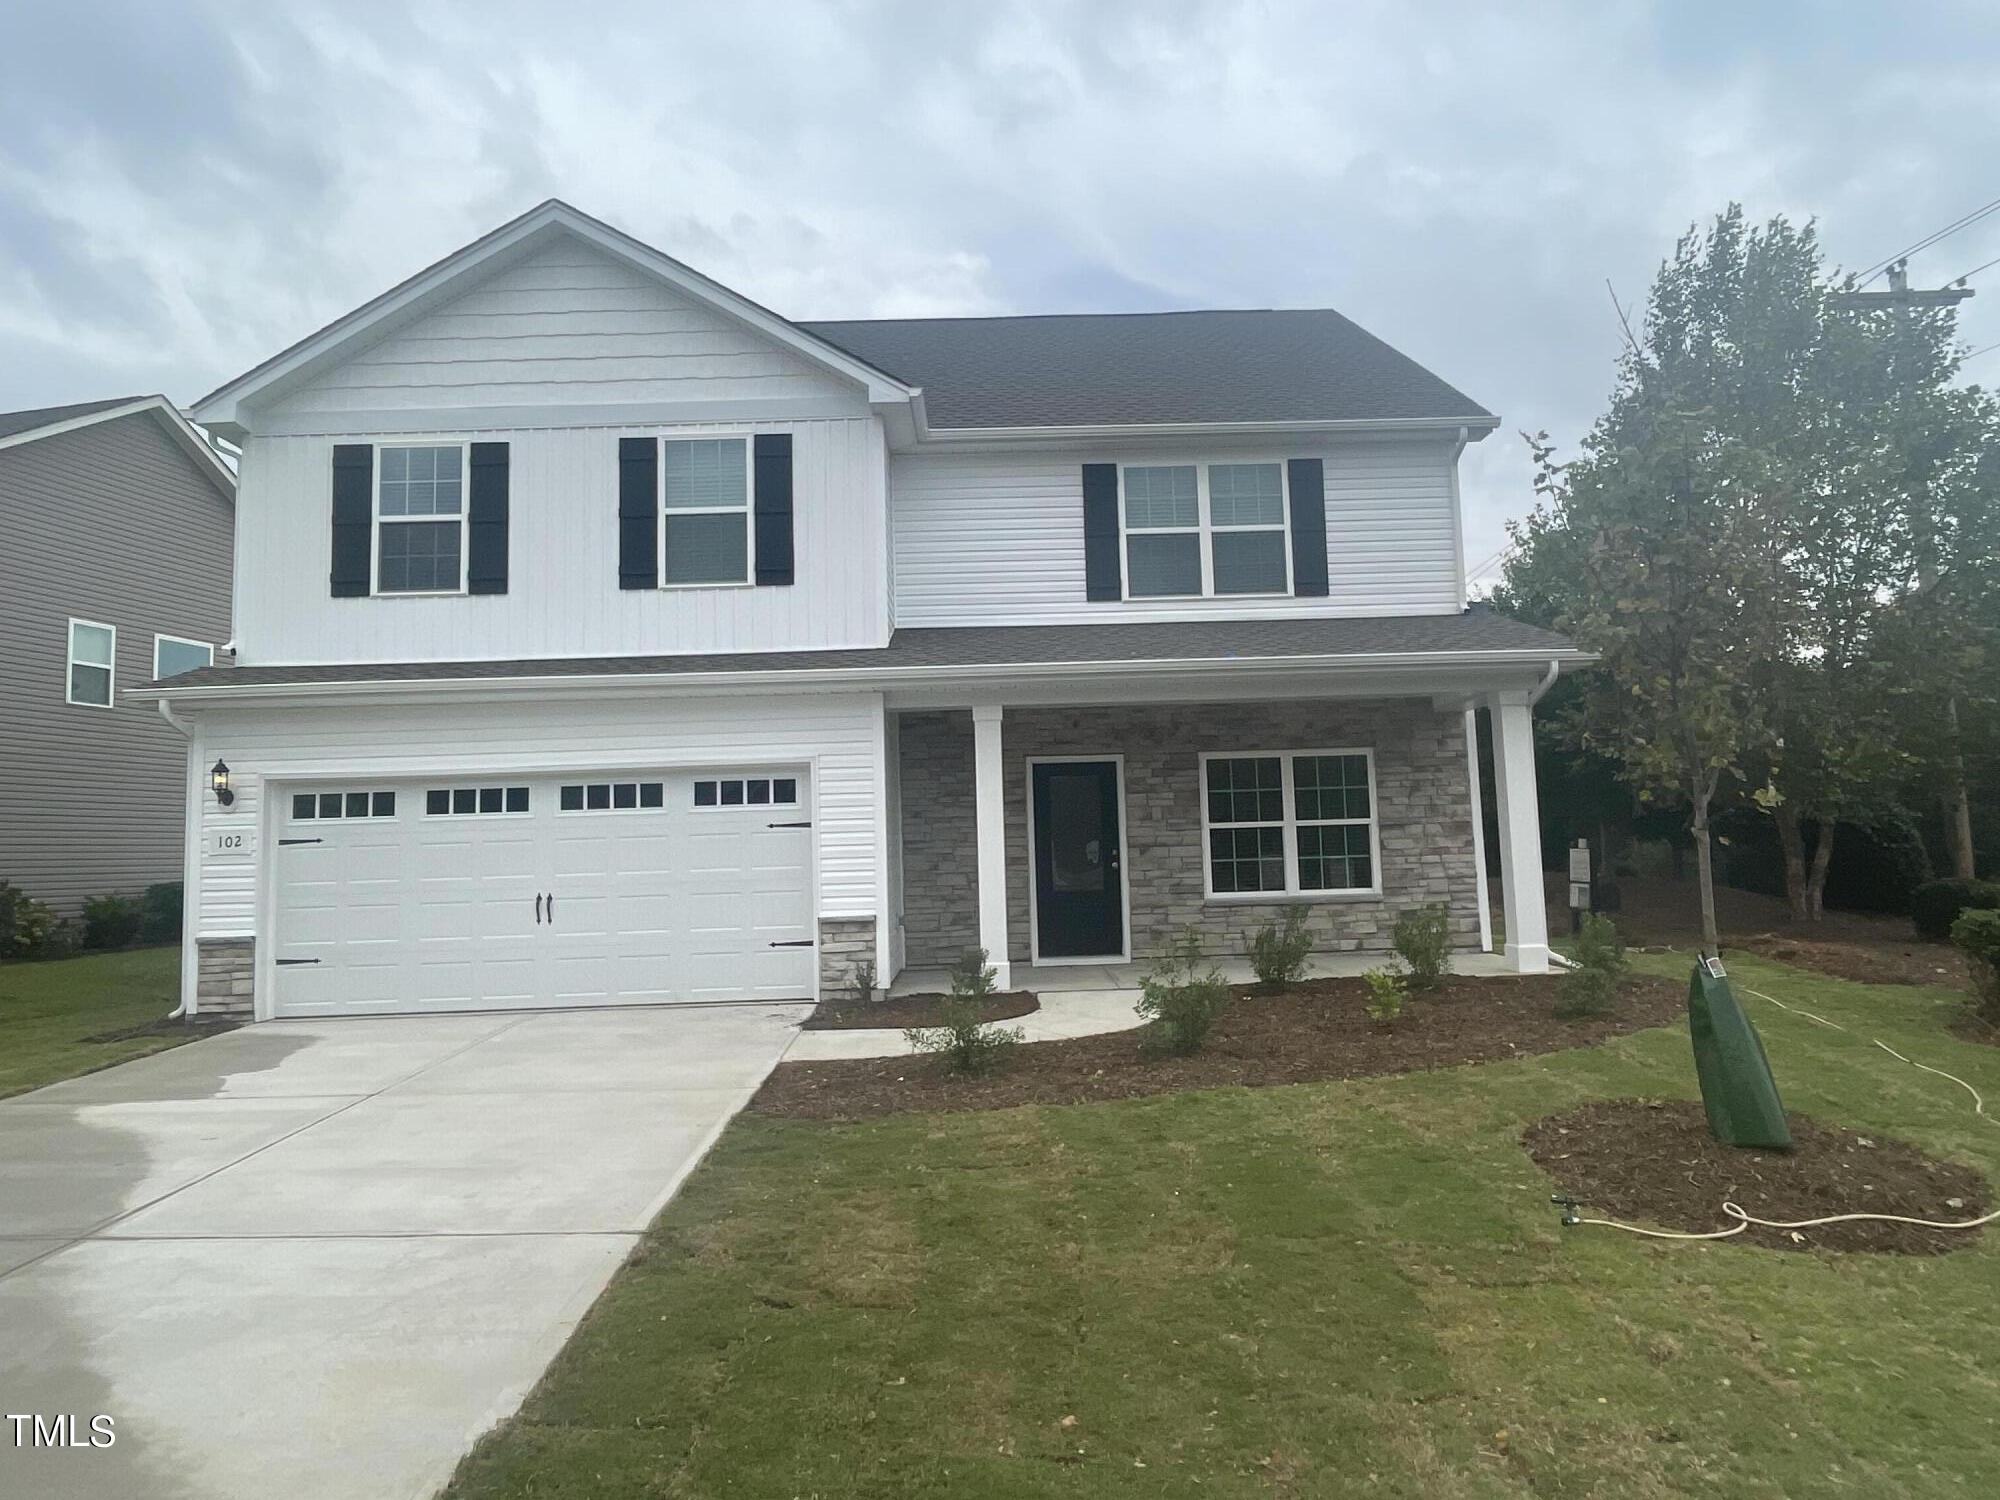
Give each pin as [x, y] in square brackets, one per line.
[795, 943]
[287, 963]
[283, 842]
[788, 825]
[538, 908]
[552, 908]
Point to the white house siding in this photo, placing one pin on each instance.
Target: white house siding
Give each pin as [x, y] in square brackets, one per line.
[839, 734]
[562, 594]
[567, 325]
[996, 537]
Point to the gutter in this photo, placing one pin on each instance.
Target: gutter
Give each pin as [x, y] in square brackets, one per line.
[1473, 427]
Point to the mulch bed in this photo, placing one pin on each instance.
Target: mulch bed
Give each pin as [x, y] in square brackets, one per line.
[196, 1026]
[901, 1011]
[1654, 1163]
[1877, 962]
[1314, 1031]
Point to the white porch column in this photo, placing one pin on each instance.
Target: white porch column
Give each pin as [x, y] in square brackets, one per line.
[1527, 949]
[990, 807]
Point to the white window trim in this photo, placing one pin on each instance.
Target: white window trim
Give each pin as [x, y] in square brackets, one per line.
[747, 510]
[1290, 825]
[376, 519]
[70, 663]
[1204, 528]
[178, 640]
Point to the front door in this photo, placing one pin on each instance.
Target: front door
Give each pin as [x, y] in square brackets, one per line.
[1079, 892]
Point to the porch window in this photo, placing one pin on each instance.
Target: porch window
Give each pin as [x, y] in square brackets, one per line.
[1298, 823]
[1205, 530]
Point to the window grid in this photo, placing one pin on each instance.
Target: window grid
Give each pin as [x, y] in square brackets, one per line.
[1293, 824]
[90, 668]
[722, 793]
[1240, 513]
[477, 801]
[324, 806]
[421, 515]
[612, 796]
[705, 484]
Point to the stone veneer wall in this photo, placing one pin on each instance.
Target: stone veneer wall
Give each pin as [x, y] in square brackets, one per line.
[844, 941]
[225, 976]
[940, 839]
[1424, 813]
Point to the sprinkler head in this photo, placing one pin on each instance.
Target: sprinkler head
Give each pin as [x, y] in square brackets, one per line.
[1568, 1205]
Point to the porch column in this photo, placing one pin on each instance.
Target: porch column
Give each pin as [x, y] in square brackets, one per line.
[1527, 950]
[990, 809]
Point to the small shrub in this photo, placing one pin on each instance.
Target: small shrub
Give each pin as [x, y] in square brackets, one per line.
[1977, 934]
[30, 928]
[1423, 942]
[1278, 950]
[864, 980]
[1387, 990]
[972, 977]
[112, 922]
[966, 1045]
[162, 905]
[1936, 904]
[1591, 988]
[1181, 997]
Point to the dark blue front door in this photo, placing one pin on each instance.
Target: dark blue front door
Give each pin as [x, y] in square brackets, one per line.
[1079, 895]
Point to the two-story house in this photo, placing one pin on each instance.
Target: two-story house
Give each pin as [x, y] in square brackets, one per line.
[606, 638]
[115, 543]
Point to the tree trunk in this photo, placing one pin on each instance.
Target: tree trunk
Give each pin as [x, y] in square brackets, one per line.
[1711, 941]
[1791, 840]
[1957, 807]
[1816, 879]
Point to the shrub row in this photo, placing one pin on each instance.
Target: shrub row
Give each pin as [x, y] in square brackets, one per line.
[1936, 905]
[30, 929]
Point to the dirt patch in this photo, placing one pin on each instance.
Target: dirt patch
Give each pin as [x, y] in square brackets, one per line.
[901, 1011]
[1653, 1162]
[1317, 1030]
[192, 1026]
[1872, 962]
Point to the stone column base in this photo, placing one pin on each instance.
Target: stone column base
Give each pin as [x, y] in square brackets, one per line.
[225, 977]
[844, 942]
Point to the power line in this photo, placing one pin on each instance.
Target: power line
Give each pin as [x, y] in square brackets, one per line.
[1871, 272]
[1977, 269]
[1977, 352]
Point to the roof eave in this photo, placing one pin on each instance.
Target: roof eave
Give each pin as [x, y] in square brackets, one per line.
[1469, 428]
[165, 413]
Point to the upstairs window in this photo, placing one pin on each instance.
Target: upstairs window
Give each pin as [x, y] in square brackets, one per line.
[1192, 531]
[705, 498]
[420, 520]
[172, 655]
[92, 649]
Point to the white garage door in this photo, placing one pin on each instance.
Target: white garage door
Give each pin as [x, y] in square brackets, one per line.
[543, 891]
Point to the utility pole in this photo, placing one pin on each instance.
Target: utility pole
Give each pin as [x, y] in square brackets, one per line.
[1901, 298]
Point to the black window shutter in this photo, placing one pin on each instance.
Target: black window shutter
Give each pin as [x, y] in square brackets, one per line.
[353, 518]
[1100, 532]
[1308, 485]
[771, 454]
[486, 552]
[638, 513]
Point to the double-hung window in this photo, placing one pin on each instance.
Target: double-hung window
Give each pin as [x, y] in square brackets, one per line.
[1205, 530]
[420, 519]
[92, 649]
[705, 500]
[1298, 823]
[173, 655]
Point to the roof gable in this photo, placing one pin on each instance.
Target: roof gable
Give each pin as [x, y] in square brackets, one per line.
[516, 244]
[20, 428]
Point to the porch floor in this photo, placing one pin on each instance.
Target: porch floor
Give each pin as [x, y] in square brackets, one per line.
[1056, 978]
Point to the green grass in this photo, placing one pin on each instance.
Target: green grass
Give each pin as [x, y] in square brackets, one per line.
[47, 1009]
[1319, 1290]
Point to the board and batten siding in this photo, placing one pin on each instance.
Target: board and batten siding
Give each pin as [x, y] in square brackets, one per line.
[567, 325]
[112, 523]
[840, 735]
[995, 537]
[563, 597]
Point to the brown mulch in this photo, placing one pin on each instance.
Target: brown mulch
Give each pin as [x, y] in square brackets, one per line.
[196, 1026]
[1875, 962]
[898, 1012]
[1654, 1163]
[1314, 1031]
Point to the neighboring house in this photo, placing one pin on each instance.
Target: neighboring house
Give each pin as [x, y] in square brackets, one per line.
[117, 519]
[607, 638]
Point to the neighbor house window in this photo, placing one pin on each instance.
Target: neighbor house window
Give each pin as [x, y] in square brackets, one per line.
[420, 520]
[705, 493]
[173, 656]
[1290, 823]
[92, 648]
[1197, 530]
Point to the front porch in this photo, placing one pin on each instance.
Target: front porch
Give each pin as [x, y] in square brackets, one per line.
[1073, 842]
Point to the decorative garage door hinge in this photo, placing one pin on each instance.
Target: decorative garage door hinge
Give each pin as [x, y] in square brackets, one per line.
[286, 963]
[788, 825]
[794, 943]
[283, 842]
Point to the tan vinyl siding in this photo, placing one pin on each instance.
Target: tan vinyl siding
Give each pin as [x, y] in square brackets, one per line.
[112, 523]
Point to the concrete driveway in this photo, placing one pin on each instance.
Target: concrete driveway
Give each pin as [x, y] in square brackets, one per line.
[320, 1258]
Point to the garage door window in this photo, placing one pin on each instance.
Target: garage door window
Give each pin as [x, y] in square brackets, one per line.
[614, 796]
[747, 791]
[321, 805]
[460, 801]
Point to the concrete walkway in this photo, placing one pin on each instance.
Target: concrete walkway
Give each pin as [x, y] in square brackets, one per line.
[320, 1258]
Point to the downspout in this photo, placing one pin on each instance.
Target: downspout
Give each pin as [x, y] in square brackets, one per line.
[190, 864]
[1547, 682]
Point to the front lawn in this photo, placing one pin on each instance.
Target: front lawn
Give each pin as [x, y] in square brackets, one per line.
[49, 1012]
[1323, 1289]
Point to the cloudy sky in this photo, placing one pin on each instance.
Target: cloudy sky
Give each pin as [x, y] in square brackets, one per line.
[186, 188]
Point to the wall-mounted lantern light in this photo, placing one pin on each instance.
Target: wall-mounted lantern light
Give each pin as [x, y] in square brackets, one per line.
[218, 778]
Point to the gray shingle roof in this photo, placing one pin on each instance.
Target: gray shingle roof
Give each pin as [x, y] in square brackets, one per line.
[1105, 369]
[1476, 630]
[12, 422]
